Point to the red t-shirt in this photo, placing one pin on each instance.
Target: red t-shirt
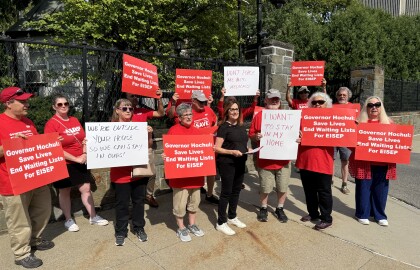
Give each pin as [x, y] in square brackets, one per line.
[68, 130]
[204, 119]
[298, 104]
[191, 182]
[9, 127]
[140, 111]
[266, 164]
[316, 159]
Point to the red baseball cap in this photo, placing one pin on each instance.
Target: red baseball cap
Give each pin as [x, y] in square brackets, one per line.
[13, 93]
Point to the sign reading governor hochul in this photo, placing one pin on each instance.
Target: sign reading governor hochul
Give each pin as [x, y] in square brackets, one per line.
[34, 162]
[307, 73]
[188, 156]
[189, 80]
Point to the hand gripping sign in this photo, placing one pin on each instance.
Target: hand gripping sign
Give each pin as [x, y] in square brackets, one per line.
[34, 162]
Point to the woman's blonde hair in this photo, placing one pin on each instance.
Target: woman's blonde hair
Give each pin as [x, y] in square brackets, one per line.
[383, 117]
[324, 96]
[118, 104]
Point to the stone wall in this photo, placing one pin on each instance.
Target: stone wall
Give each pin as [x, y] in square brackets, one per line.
[373, 81]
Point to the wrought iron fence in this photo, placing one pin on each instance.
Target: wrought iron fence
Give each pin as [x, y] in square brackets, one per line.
[401, 96]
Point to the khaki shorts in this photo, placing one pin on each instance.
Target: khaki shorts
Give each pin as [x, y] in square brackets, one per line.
[279, 178]
[185, 198]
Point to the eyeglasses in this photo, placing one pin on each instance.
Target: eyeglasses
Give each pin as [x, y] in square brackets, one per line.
[124, 109]
[371, 105]
[234, 109]
[187, 115]
[317, 102]
[65, 104]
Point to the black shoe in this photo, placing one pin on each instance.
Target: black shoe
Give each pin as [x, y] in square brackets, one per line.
[119, 240]
[263, 215]
[203, 190]
[212, 199]
[323, 225]
[141, 235]
[29, 262]
[308, 218]
[281, 215]
[43, 245]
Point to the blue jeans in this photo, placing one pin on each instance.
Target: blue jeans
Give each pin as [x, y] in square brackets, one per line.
[371, 194]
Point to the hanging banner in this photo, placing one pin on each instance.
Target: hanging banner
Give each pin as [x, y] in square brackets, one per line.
[384, 143]
[34, 162]
[139, 77]
[241, 81]
[188, 156]
[309, 73]
[188, 80]
[329, 127]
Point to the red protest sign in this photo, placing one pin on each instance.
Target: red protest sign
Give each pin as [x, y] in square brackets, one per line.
[139, 77]
[384, 143]
[329, 127]
[354, 106]
[188, 156]
[307, 73]
[188, 80]
[34, 162]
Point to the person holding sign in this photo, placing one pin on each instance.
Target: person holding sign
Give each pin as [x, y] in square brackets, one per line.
[316, 168]
[150, 114]
[127, 187]
[271, 172]
[186, 192]
[26, 214]
[303, 94]
[372, 178]
[75, 154]
[245, 112]
[231, 146]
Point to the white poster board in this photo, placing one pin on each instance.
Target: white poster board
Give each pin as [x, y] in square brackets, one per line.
[241, 81]
[280, 129]
[116, 144]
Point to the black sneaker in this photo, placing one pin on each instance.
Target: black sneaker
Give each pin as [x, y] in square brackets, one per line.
[263, 215]
[281, 215]
[119, 240]
[43, 245]
[212, 199]
[29, 262]
[141, 235]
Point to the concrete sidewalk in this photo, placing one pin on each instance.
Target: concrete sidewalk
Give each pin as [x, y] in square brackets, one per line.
[272, 245]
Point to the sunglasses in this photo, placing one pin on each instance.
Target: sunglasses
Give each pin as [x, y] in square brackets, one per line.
[18, 93]
[124, 109]
[317, 102]
[371, 105]
[65, 104]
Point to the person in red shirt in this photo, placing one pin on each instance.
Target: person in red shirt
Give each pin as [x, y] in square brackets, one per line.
[271, 172]
[127, 187]
[74, 147]
[26, 214]
[303, 94]
[150, 198]
[245, 112]
[316, 168]
[186, 191]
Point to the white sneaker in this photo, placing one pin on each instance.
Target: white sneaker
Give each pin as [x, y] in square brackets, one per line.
[363, 221]
[98, 220]
[224, 228]
[236, 222]
[71, 226]
[383, 222]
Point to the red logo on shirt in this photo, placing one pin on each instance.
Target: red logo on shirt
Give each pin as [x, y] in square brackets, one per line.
[200, 123]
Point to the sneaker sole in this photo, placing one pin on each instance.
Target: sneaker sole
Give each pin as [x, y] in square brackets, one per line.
[119, 245]
[99, 223]
[239, 226]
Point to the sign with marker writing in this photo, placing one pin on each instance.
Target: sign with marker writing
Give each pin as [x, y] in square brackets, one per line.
[241, 81]
[188, 156]
[307, 73]
[139, 77]
[384, 143]
[116, 144]
[188, 80]
[280, 130]
[34, 162]
[329, 127]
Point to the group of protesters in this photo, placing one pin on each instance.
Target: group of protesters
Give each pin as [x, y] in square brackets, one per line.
[27, 214]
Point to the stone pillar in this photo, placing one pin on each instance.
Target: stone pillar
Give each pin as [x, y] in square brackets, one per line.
[371, 80]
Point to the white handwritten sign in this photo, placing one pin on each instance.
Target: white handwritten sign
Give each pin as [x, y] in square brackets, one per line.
[116, 144]
[280, 129]
[241, 81]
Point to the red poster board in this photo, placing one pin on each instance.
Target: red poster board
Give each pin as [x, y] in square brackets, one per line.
[354, 106]
[188, 156]
[307, 73]
[384, 143]
[329, 127]
[139, 77]
[34, 162]
[188, 80]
